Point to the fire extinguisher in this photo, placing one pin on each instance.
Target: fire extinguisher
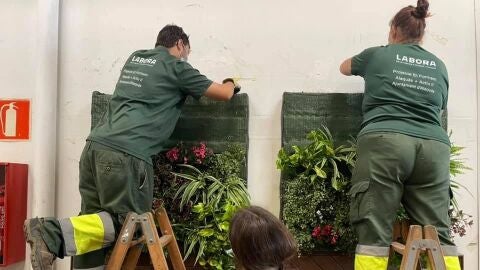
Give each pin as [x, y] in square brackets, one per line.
[9, 126]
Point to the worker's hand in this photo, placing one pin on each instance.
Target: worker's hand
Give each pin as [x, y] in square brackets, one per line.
[236, 86]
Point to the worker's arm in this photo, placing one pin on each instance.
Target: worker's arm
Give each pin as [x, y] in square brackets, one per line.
[222, 92]
[346, 67]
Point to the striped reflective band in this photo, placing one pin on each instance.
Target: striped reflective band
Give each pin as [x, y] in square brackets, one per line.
[87, 233]
[372, 250]
[367, 262]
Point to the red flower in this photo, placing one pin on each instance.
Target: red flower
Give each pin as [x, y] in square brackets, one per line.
[173, 154]
[326, 230]
[200, 151]
[334, 239]
[325, 234]
[316, 232]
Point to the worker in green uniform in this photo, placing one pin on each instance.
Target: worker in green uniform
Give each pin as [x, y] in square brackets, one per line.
[403, 151]
[116, 171]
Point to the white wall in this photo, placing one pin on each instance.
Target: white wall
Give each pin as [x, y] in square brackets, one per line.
[275, 46]
[28, 42]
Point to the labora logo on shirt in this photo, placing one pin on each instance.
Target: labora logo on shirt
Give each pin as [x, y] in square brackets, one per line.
[141, 60]
[416, 61]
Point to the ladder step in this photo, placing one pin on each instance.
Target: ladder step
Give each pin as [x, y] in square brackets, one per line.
[126, 252]
[165, 240]
[399, 248]
[137, 241]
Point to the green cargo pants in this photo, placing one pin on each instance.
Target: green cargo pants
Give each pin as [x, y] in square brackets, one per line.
[394, 168]
[110, 181]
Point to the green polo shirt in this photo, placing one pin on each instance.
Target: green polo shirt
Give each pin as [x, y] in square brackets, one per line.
[406, 89]
[147, 102]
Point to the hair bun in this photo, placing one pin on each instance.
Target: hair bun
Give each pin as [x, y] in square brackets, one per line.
[421, 11]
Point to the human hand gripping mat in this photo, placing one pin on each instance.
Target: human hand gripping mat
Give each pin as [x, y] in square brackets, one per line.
[216, 123]
[341, 113]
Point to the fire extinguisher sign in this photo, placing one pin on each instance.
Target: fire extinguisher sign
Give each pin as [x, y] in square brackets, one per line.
[14, 119]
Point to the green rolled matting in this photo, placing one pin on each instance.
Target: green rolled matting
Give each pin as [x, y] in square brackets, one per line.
[216, 123]
[303, 112]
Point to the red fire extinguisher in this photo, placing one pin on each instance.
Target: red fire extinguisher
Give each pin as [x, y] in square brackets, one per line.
[9, 125]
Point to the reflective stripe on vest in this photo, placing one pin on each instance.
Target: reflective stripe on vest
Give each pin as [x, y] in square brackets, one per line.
[452, 262]
[367, 262]
[449, 250]
[87, 233]
[372, 250]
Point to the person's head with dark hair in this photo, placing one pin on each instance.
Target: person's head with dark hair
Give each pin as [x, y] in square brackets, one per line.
[408, 25]
[260, 240]
[174, 38]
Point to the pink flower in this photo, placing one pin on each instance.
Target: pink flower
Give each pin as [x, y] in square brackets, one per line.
[316, 232]
[185, 160]
[173, 154]
[325, 234]
[326, 230]
[334, 239]
[200, 152]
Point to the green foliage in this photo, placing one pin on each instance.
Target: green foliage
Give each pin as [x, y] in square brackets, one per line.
[315, 200]
[227, 163]
[315, 192]
[459, 219]
[214, 202]
[203, 199]
[319, 160]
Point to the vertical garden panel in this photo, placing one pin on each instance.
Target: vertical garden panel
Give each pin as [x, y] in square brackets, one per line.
[303, 112]
[341, 113]
[216, 123]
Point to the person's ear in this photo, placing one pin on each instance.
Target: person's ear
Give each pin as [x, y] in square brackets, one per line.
[180, 45]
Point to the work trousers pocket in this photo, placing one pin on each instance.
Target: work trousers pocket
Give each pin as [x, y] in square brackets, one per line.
[124, 182]
[360, 202]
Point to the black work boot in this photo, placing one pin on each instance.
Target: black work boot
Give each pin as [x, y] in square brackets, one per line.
[41, 257]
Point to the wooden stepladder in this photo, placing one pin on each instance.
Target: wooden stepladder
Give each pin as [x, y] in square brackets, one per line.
[420, 240]
[130, 248]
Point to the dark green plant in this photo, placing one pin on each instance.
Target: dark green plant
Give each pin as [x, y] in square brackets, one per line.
[319, 160]
[459, 219]
[315, 200]
[317, 179]
[201, 199]
[229, 162]
[214, 202]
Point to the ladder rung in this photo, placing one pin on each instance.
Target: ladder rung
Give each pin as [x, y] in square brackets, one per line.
[137, 241]
[165, 240]
[126, 252]
[399, 248]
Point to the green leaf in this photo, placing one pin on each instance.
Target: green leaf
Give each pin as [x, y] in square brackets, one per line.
[198, 208]
[200, 249]
[191, 242]
[213, 262]
[224, 226]
[206, 232]
[320, 173]
[186, 176]
[190, 167]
